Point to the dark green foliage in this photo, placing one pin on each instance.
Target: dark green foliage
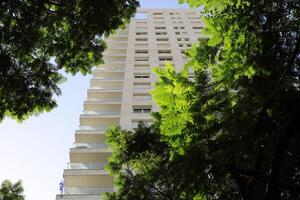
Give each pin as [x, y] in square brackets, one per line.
[34, 31]
[9, 191]
[232, 133]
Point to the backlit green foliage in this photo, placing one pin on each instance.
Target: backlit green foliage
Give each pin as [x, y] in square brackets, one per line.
[36, 33]
[233, 132]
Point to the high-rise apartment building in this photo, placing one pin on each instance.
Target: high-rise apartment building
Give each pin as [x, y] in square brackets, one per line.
[119, 91]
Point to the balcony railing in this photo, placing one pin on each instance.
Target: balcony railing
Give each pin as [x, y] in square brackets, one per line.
[87, 190]
[90, 146]
[95, 166]
[108, 78]
[109, 69]
[92, 128]
[108, 88]
[102, 112]
[103, 100]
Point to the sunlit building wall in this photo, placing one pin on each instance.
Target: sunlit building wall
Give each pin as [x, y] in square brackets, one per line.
[119, 91]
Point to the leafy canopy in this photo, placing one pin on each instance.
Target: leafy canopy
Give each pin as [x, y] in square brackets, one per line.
[232, 132]
[39, 38]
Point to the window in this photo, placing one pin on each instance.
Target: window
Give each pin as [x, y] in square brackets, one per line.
[161, 33]
[194, 17]
[165, 58]
[141, 24]
[182, 27]
[177, 33]
[162, 39]
[158, 17]
[141, 29]
[142, 75]
[164, 51]
[191, 13]
[140, 109]
[141, 51]
[141, 58]
[141, 85]
[163, 45]
[157, 14]
[142, 45]
[141, 39]
[160, 27]
[141, 66]
[189, 45]
[141, 33]
[142, 96]
[186, 39]
[197, 27]
[163, 65]
[175, 27]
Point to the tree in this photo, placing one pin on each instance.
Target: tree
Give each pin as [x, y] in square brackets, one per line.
[232, 133]
[10, 191]
[39, 38]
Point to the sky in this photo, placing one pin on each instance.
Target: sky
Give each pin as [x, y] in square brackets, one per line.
[36, 150]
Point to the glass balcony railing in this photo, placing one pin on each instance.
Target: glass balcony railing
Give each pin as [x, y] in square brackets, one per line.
[103, 100]
[102, 112]
[87, 190]
[95, 166]
[107, 87]
[109, 68]
[108, 78]
[92, 128]
[90, 146]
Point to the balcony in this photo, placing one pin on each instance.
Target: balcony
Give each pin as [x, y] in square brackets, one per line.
[117, 45]
[108, 69]
[86, 166]
[91, 112]
[114, 53]
[106, 75]
[100, 101]
[88, 156]
[99, 80]
[95, 94]
[90, 146]
[87, 190]
[141, 69]
[92, 128]
[104, 88]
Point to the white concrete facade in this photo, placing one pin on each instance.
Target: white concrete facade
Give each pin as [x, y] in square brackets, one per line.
[119, 91]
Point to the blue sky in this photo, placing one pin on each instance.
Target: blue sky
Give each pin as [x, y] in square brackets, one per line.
[36, 150]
